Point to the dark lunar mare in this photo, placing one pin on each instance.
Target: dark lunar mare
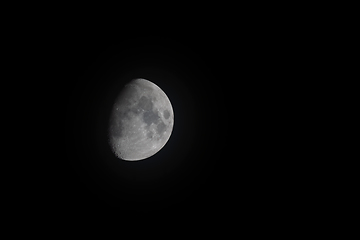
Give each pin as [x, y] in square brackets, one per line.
[149, 115]
[144, 105]
[166, 114]
[160, 128]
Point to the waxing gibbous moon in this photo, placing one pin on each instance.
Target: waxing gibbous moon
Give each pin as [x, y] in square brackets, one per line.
[141, 121]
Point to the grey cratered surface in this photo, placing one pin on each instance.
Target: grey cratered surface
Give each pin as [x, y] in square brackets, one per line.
[141, 122]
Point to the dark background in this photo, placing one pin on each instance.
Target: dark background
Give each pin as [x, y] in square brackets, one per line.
[182, 171]
[195, 71]
[250, 86]
[241, 81]
[223, 155]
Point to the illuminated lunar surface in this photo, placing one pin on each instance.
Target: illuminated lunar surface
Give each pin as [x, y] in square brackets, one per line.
[141, 122]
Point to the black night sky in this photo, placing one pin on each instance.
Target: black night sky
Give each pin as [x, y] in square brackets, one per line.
[182, 173]
[217, 151]
[241, 83]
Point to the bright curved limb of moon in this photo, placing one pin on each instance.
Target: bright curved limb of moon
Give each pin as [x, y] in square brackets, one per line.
[141, 122]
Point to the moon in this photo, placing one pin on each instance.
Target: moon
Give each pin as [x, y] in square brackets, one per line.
[141, 121]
